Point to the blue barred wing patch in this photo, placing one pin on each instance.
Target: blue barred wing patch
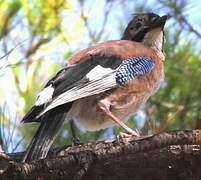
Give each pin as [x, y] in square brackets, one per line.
[132, 68]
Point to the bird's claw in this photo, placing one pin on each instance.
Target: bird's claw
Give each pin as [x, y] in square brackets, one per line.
[124, 137]
[75, 141]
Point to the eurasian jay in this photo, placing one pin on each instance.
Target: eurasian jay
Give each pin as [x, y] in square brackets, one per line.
[101, 85]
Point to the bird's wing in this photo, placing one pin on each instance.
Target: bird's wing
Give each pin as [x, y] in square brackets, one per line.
[129, 70]
[95, 70]
[83, 89]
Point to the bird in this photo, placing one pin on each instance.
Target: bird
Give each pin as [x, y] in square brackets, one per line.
[101, 85]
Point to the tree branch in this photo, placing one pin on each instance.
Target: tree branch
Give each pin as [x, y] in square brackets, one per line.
[111, 160]
[190, 27]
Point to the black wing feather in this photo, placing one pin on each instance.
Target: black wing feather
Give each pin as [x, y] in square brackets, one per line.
[32, 113]
[64, 79]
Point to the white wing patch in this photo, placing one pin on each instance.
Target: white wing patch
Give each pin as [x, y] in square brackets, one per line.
[98, 72]
[44, 96]
[93, 87]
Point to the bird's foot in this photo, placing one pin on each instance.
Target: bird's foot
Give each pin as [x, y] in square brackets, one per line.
[124, 137]
[109, 140]
[75, 141]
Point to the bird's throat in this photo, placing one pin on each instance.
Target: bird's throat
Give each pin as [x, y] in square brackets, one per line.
[154, 39]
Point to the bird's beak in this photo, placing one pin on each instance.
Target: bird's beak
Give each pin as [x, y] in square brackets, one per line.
[160, 22]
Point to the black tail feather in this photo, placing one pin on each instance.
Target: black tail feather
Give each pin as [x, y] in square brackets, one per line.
[32, 113]
[45, 135]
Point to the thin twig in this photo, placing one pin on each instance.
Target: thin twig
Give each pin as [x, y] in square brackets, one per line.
[190, 27]
[12, 49]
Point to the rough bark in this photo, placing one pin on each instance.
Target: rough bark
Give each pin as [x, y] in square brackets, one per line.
[168, 155]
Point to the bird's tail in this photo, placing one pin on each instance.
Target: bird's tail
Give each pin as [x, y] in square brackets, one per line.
[45, 135]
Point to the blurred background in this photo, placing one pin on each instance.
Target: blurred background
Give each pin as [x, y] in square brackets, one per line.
[37, 38]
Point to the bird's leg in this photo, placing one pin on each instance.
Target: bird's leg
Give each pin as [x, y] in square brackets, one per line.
[106, 110]
[75, 139]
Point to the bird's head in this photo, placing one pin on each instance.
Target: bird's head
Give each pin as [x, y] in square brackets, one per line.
[146, 28]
